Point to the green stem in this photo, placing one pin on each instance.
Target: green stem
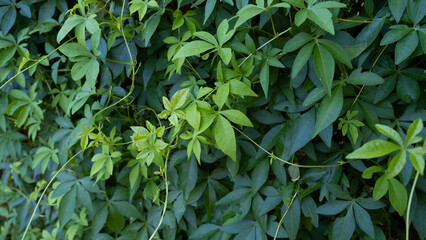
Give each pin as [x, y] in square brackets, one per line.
[282, 219]
[410, 199]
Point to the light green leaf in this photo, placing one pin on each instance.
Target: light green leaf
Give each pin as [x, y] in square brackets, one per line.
[179, 98]
[397, 163]
[133, 176]
[324, 66]
[373, 149]
[380, 188]
[69, 24]
[74, 50]
[206, 37]
[368, 173]
[300, 17]
[247, 12]
[405, 47]
[193, 116]
[416, 157]
[239, 88]
[415, 128]
[237, 117]
[193, 48]
[225, 137]
[322, 17]
[390, 133]
[329, 110]
[221, 95]
[398, 196]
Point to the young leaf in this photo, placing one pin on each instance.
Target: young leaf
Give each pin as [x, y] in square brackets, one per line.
[221, 95]
[380, 188]
[414, 129]
[373, 149]
[390, 133]
[397, 163]
[368, 173]
[193, 48]
[225, 137]
[237, 117]
[324, 67]
[397, 196]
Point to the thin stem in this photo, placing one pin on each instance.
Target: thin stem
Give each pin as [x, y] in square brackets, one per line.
[407, 221]
[272, 23]
[270, 40]
[32, 65]
[290, 163]
[354, 21]
[286, 211]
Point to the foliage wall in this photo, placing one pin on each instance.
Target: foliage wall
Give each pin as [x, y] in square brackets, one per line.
[212, 119]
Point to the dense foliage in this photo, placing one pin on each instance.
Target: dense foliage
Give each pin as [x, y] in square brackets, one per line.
[212, 119]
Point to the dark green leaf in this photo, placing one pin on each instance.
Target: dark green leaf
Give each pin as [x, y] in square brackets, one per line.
[324, 67]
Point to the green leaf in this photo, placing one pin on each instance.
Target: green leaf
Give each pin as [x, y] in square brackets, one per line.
[329, 110]
[405, 47]
[407, 89]
[193, 116]
[210, 4]
[398, 196]
[259, 175]
[67, 206]
[324, 67]
[297, 41]
[301, 59]
[415, 128]
[300, 17]
[309, 209]
[115, 220]
[225, 137]
[221, 95]
[234, 196]
[416, 157]
[390, 133]
[397, 8]
[69, 24]
[264, 78]
[247, 12]
[204, 231]
[380, 188]
[397, 163]
[315, 95]
[99, 219]
[337, 51]
[322, 17]
[193, 48]
[296, 3]
[368, 173]
[332, 207]
[126, 209]
[344, 227]
[363, 220]
[240, 88]
[133, 176]
[72, 50]
[179, 98]
[150, 26]
[373, 149]
[206, 37]
[365, 78]
[291, 221]
[395, 34]
[237, 117]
